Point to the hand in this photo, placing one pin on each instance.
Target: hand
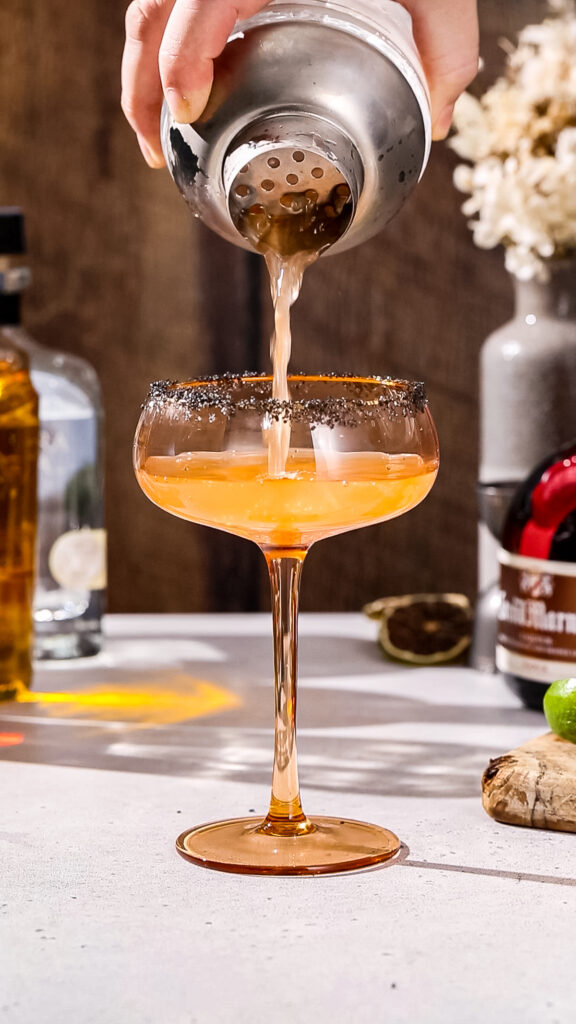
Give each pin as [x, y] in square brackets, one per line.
[171, 45]
[446, 34]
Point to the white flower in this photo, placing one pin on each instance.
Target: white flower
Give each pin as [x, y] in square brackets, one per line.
[463, 178]
[520, 138]
[469, 143]
[562, 6]
[566, 146]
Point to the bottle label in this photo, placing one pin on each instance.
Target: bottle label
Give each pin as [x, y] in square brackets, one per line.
[537, 618]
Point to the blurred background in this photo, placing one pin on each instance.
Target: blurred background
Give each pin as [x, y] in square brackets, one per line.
[124, 276]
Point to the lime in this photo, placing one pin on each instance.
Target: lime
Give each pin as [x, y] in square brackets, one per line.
[560, 708]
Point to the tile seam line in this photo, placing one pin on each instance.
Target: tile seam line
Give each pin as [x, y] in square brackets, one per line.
[515, 876]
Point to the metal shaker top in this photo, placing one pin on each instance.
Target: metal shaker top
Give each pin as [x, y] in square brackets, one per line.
[341, 88]
[386, 24]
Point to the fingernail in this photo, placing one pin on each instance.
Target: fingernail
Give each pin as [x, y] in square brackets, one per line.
[186, 109]
[153, 158]
[443, 122]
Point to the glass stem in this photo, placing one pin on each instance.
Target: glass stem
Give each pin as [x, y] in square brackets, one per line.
[285, 816]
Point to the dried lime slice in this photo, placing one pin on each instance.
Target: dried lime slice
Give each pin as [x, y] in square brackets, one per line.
[423, 629]
[77, 560]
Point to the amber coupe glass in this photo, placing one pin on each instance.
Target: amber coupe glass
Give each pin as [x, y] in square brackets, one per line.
[343, 452]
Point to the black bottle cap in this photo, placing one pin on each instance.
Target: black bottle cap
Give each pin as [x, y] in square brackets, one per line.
[10, 310]
[12, 240]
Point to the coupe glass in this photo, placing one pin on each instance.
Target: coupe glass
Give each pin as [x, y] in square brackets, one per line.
[341, 453]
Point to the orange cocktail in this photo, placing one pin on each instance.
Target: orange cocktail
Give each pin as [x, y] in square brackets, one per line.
[338, 453]
[320, 493]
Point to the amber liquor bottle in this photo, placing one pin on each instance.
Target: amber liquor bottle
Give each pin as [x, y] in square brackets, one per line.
[19, 433]
[536, 641]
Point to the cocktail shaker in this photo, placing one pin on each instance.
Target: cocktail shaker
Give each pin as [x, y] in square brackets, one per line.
[308, 95]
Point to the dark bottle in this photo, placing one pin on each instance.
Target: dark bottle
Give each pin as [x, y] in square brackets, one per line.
[537, 619]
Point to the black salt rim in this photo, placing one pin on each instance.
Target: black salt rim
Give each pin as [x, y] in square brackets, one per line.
[220, 393]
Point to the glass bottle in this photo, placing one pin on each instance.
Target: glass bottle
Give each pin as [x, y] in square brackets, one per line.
[537, 614]
[18, 474]
[527, 409]
[71, 541]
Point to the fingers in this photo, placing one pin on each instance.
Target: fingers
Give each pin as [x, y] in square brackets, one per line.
[171, 46]
[196, 33]
[446, 34]
[141, 101]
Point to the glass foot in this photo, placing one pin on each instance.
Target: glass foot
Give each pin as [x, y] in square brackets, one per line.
[242, 845]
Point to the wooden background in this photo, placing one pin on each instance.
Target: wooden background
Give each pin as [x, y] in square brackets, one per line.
[125, 277]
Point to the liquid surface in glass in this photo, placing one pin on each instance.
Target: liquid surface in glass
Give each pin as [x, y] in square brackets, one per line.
[317, 496]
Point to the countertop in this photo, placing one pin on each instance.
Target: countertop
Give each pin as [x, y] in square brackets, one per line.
[171, 725]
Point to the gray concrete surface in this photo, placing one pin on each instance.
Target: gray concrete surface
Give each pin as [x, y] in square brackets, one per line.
[102, 923]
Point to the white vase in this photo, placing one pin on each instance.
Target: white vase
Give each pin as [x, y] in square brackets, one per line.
[528, 379]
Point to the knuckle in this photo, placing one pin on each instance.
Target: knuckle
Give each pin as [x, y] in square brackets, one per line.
[170, 68]
[129, 110]
[455, 79]
[139, 113]
[127, 105]
[467, 72]
[139, 19]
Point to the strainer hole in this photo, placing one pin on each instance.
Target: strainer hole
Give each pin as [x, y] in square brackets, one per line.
[298, 156]
[292, 179]
[242, 191]
[267, 185]
[273, 161]
[317, 172]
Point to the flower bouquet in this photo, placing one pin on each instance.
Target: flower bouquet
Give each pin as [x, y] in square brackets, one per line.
[520, 140]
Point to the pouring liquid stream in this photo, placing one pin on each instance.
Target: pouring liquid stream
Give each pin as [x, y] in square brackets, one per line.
[285, 283]
[291, 233]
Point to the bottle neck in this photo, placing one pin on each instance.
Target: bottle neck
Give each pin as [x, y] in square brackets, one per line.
[10, 309]
[553, 298]
[13, 359]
